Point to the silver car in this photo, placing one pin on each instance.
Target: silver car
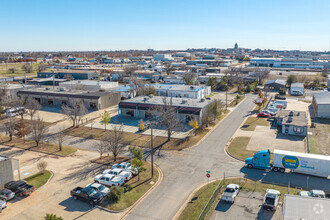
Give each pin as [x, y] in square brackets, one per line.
[3, 204]
[6, 194]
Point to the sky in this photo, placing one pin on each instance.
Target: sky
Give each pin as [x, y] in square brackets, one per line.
[66, 25]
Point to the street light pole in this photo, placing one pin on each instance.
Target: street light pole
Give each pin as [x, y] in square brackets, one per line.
[152, 154]
[226, 97]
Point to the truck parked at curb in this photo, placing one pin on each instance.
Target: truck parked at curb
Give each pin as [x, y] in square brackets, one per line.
[310, 164]
[20, 187]
[87, 194]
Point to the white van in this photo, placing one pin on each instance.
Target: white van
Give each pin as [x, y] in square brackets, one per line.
[284, 103]
[15, 111]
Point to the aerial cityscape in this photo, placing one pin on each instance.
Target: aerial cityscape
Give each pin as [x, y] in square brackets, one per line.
[164, 110]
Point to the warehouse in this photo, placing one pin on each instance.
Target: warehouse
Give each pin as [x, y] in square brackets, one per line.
[58, 97]
[88, 85]
[275, 85]
[321, 104]
[74, 74]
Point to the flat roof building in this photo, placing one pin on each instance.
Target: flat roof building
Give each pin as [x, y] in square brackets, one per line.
[321, 104]
[76, 74]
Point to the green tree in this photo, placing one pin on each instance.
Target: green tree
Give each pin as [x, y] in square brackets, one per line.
[137, 162]
[292, 79]
[52, 217]
[105, 119]
[212, 82]
[248, 88]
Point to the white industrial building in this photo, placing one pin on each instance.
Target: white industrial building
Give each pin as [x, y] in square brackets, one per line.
[88, 85]
[183, 91]
[321, 104]
[163, 57]
[296, 63]
[297, 89]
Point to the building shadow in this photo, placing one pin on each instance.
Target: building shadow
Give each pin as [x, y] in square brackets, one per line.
[289, 137]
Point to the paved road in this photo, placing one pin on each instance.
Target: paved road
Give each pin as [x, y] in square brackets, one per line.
[185, 170]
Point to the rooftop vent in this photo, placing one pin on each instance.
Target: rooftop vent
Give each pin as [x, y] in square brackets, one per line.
[191, 87]
[289, 120]
[291, 114]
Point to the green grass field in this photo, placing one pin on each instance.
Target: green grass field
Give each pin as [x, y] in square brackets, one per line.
[39, 179]
[251, 123]
[237, 148]
[19, 71]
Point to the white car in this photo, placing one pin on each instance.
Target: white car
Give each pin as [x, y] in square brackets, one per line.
[230, 193]
[3, 204]
[99, 187]
[126, 166]
[109, 180]
[119, 172]
[313, 193]
[271, 199]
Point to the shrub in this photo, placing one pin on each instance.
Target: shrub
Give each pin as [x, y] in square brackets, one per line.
[42, 166]
[52, 217]
[115, 193]
[281, 91]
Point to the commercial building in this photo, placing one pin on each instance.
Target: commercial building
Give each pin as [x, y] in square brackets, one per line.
[291, 122]
[321, 104]
[186, 109]
[163, 57]
[300, 207]
[8, 166]
[75, 74]
[182, 91]
[57, 97]
[297, 89]
[12, 89]
[88, 85]
[174, 80]
[275, 85]
[296, 63]
[147, 75]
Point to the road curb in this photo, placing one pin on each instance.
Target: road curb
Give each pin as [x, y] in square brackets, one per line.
[228, 154]
[50, 178]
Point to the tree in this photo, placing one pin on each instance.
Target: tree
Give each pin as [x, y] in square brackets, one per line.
[165, 114]
[10, 128]
[41, 67]
[194, 124]
[52, 217]
[137, 162]
[42, 165]
[213, 81]
[292, 79]
[261, 100]
[189, 78]
[32, 105]
[105, 119]
[137, 85]
[27, 68]
[325, 71]
[22, 129]
[141, 125]
[74, 111]
[39, 130]
[150, 90]
[60, 137]
[168, 68]
[102, 147]
[12, 70]
[114, 140]
[2, 110]
[248, 88]
[262, 74]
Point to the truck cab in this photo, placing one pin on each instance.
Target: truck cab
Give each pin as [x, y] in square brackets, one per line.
[260, 159]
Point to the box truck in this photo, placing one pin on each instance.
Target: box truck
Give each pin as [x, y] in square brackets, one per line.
[310, 164]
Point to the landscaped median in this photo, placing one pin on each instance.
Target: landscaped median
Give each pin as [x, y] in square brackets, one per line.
[46, 148]
[39, 179]
[237, 148]
[201, 202]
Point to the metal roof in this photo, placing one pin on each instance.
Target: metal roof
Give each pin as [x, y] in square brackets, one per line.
[322, 98]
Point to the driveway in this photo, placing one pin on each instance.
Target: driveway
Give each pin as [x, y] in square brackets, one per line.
[54, 197]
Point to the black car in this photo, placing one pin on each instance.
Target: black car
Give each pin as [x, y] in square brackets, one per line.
[20, 187]
[280, 97]
[87, 194]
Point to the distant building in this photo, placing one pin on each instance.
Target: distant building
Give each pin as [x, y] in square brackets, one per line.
[297, 89]
[88, 85]
[8, 166]
[182, 91]
[139, 107]
[163, 57]
[174, 80]
[147, 75]
[291, 122]
[76, 74]
[321, 104]
[58, 97]
[275, 85]
[296, 63]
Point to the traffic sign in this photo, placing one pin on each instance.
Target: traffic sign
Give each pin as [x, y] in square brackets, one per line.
[208, 175]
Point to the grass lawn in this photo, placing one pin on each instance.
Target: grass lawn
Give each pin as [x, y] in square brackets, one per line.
[42, 148]
[39, 179]
[19, 71]
[211, 95]
[319, 140]
[198, 202]
[237, 148]
[251, 123]
[135, 189]
[108, 160]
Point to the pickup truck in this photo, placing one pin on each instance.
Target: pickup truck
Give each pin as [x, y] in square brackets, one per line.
[230, 193]
[126, 166]
[119, 172]
[271, 199]
[87, 194]
[20, 187]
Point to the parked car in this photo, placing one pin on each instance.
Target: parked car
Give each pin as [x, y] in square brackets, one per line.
[284, 103]
[126, 166]
[272, 109]
[230, 193]
[271, 199]
[264, 115]
[99, 187]
[7, 194]
[119, 172]
[20, 187]
[109, 180]
[313, 193]
[87, 194]
[3, 204]
[269, 112]
[281, 97]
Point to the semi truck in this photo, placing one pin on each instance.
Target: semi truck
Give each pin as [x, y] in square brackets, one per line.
[310, 164]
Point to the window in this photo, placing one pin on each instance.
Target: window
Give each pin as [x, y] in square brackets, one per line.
[298, 129]
[107, 179]
[130, 113]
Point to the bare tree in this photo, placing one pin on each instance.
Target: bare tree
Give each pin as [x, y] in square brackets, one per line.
[74, 111]
[42, 165]
[39, 130]
[166, 116]
[189, 78]
[27, 68]
[60, 137]
[102, 147]
[32, 106]
[12, 70]
[129, 70]
[3, 92]
[10, 128]
[22, 129]
[41, 67]
[168, 68]
[114, 140]
[137, 85]
[262, 74]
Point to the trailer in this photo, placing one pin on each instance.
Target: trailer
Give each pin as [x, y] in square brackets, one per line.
[309, 164]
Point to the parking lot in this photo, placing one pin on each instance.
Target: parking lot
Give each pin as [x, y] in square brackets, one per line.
[247, 206]
[54, 197]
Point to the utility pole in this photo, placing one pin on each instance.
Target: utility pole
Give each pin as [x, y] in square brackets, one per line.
[152, 154]
[226, 96]
[53, 81]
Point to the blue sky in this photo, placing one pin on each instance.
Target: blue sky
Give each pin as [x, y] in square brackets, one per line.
[39, 25]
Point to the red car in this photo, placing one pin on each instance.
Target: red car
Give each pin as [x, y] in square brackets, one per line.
[264, 115]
